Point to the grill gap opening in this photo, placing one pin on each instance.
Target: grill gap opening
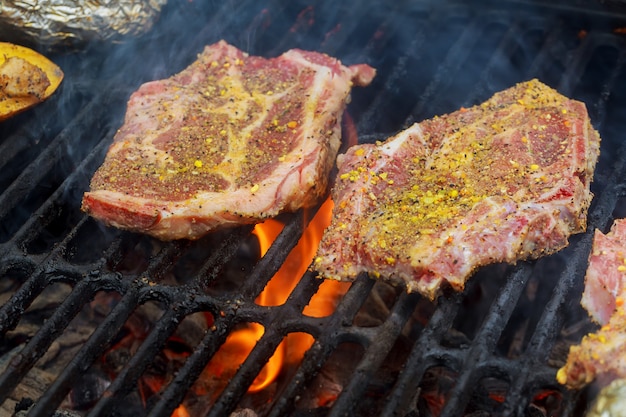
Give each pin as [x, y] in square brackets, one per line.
[528, 309]
[481, 291]
[35, 315]
[547, 402]
[378, 305]
[234, 255]
[333, 376]
[89, 243]
[385, 377]
[223, 366]
[488, 395]
[61, 350]
[53, 228]
[434, 390]
[126, 343]
[12, 280]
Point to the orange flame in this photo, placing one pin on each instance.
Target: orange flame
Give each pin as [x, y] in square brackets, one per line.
[181, 411]
[284, 281]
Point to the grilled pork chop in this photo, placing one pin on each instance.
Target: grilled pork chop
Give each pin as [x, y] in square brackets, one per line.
[232, 139]
[504, 180]
[602, 354]
[606, 272]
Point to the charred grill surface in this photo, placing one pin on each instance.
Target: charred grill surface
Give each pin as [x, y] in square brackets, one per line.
[495, 348]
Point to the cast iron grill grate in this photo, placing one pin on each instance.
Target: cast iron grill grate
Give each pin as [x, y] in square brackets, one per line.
[431, 58]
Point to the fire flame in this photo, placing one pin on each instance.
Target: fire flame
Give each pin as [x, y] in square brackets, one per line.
[181, 411]
[292, 349]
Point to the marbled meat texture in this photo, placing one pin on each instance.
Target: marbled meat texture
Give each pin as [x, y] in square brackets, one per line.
[504, 180]
[232, 139]
[606, 272]
[601, 355]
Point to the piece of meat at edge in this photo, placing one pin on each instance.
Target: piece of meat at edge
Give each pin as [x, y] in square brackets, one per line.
[606, 272]
[602, 355]
[232, 139]
[498, 182]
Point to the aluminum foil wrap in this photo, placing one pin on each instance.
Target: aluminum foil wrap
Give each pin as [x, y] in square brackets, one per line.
[611, 401]
[50, 22]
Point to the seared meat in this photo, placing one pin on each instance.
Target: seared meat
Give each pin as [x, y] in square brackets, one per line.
[602, 354]
[501, 181]
[232, 139]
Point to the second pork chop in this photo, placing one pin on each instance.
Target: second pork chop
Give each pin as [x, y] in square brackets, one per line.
[601, 354]
[502, 181]
[232, 139]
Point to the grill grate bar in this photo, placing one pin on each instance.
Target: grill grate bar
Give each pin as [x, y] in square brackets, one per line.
[485, 341]
[424, 353]
[274, 258]
[190, 371]
[126, 380]
[192, 368]
[325, 343]
[102, 336]
[253, 364]
[381, 340]
[39, 344]
[547, 329]
[87, 120]
[602, 208]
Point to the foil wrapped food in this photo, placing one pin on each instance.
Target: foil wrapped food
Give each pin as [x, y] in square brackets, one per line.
[51, 22]
[611, 401]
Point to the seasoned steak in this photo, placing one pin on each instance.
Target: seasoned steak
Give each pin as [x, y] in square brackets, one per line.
[504, 180]
[232, 139]
[602, 354]
[606, 272]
